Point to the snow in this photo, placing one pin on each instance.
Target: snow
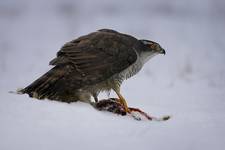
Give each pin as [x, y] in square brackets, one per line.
[187, 83]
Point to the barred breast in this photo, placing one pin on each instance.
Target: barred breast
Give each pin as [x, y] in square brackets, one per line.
[132, 70]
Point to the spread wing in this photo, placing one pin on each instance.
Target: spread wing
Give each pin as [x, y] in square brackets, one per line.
[97, 56]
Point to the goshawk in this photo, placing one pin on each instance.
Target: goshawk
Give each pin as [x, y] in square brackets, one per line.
[90, 64]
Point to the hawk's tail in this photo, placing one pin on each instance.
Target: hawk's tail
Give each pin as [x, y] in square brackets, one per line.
[51, 85]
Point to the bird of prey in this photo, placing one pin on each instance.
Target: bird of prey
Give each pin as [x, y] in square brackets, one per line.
[90, 64]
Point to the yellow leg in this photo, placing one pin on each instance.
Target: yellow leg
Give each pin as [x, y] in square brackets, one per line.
[123, 102]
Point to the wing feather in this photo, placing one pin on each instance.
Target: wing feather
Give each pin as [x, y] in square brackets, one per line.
[99, 55]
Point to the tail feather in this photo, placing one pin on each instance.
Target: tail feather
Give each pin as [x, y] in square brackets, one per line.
[52, 85]
[18, 91]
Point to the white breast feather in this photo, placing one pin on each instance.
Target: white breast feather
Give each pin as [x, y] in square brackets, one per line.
[136, 67]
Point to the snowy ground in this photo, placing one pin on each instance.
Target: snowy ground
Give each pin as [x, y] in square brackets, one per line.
[188, 83]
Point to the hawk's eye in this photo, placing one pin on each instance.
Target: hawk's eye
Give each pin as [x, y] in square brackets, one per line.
[149, 44]
[152, 46]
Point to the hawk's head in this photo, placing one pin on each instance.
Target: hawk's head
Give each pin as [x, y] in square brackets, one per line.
[153, 47]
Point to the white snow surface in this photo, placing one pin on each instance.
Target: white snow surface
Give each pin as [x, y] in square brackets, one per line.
[187, 83]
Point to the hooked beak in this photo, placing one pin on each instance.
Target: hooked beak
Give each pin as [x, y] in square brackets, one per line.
[162, 51]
